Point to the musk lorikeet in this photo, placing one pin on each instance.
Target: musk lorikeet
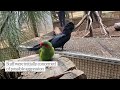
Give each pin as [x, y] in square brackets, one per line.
[46, 52]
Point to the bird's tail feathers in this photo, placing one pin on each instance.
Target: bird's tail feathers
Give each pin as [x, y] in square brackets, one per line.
[35, 48]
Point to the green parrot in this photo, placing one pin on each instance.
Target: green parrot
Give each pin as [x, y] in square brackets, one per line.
[46, 52]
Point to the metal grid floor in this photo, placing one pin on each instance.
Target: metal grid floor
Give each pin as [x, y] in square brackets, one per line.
[105, 47]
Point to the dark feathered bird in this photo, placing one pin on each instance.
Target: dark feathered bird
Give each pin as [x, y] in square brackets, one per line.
[59, 40]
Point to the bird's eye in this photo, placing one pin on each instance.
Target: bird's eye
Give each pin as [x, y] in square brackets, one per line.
[46, 45]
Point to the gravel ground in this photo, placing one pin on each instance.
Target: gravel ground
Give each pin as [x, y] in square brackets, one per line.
[98, 44]
[106, 47]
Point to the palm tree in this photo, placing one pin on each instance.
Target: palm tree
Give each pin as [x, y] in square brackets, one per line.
[12, 32]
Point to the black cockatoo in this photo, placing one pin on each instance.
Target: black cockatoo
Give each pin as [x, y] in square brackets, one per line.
[58, 40]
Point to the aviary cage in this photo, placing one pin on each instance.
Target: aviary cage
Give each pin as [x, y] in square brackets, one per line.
[94, 67]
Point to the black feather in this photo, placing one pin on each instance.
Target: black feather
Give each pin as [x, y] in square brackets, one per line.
[59, 40]
[35, 48]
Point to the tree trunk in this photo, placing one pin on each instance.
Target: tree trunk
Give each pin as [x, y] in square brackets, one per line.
[33, 23]
[46, 25]
[14, 52]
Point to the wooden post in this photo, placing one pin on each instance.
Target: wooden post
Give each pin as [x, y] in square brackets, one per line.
[89, 23]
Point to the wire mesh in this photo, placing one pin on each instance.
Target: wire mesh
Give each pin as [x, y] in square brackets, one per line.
[92, 69]
[97, 70]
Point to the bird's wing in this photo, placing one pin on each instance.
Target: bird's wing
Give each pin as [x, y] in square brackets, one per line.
[60, 40]
[57, 38]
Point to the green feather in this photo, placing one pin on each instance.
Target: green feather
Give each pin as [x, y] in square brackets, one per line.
[46, 53]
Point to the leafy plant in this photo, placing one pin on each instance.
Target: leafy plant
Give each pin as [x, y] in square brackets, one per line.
[12, 33]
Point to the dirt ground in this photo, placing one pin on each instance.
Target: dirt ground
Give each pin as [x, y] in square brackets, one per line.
[109, 22]
[98, 44]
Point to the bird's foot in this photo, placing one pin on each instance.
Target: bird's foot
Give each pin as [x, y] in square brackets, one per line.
[58, 49]
[62, 49]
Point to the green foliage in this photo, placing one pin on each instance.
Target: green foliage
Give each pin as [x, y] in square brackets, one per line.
[12, 32]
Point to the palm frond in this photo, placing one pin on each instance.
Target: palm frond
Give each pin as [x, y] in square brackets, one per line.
[12, 32]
